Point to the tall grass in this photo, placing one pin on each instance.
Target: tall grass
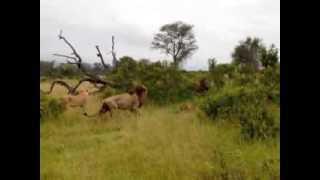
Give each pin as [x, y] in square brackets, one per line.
[162, 143]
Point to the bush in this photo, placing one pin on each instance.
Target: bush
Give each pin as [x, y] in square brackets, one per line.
[126, 72]
[248, 105]
[257, 123]
[270, 79]
[270, 57]
[50, 107]
[108, 92]
[165, 83]
[222, 105]
[43, 78]
[221, 74]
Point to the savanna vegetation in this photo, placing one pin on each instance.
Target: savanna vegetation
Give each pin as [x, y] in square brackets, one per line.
[222, 123]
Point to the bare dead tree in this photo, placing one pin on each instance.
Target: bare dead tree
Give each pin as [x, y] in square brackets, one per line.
[101, 57]
[76, 59]
[114, 58]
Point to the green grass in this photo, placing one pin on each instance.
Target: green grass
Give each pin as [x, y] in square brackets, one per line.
[162, 143]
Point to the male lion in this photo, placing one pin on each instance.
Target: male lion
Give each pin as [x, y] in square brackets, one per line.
[132, 100]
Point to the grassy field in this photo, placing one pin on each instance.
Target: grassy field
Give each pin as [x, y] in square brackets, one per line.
[163, 143]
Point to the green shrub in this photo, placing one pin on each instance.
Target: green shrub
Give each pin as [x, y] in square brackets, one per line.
[126, 72]
[108, 92]
[50, 107]
[222, 105]
[248, 105]
[43, 78]
[221, 74]
[165, 83]
[257, 123]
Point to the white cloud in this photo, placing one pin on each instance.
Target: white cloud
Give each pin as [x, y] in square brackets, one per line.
[219, 25]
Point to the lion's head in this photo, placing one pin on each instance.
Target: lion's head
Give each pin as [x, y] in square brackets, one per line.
[141, 91]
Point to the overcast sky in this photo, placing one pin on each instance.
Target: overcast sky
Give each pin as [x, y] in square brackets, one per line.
[218, 26]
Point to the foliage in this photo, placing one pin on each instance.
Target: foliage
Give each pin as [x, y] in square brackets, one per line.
[166, 84]
[68, 70]
[177, 40]
[270, 79]
[162, 144]
[244, 100]
[247, 98]
[51, 70]
[125, 73]
[43, 78]
[257, 122]
[98, 69]
[212, 62]
[253, 53]
[50, 107]
[46, 68]
[269, 58]
[108, 92]
[221, 74]
[247, 52]
[163, 80]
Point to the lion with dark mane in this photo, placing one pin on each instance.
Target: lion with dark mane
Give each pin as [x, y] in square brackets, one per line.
[132, 100]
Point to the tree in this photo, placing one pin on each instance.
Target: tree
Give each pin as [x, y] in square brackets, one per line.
[145, 61]
[212, 63]
[177, 40]
[99, 69]
[269, 57]
[78, 62]
[68, 70]
[126, 72]
[248, 52]
[46, 68]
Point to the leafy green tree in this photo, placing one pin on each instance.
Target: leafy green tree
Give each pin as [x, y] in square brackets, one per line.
[221, 73]
[46, 68]
[269, 58]
[145, 61]
[212, 64]
[125, 72]
[68, 70]
[248, 52]
[177, 40]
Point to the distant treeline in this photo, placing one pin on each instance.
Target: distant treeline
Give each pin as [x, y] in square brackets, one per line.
[53, 69]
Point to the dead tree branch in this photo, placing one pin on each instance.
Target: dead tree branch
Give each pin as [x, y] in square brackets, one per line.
[93, 79]
[68, 57]
[74, 52]
[114, 57]
[101, 57]
[62, 83]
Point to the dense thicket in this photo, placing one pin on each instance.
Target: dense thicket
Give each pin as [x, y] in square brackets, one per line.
[249, 97]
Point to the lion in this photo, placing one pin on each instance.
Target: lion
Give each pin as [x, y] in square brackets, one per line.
[186, 107]
[202, 85]
[78, 100]
[132, 100]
